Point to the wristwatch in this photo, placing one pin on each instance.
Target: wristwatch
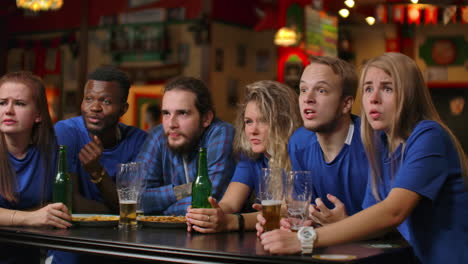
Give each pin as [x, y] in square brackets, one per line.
[307, 237]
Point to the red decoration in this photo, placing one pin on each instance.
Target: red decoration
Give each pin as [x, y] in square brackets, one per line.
[381, 13]
[414, 14]
[392, 45]
[431, 15]
[399, 14]
[464, 14]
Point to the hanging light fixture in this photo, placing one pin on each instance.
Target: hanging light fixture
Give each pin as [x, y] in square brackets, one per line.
[40, 5]
[349, 3]
[414, 1]
[370, 20]
[344, 12]
[286, 37]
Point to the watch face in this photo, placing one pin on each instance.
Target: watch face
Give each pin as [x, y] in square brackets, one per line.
[307, 234]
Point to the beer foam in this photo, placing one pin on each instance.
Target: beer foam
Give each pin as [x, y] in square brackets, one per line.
[128, 202]
[271, 202]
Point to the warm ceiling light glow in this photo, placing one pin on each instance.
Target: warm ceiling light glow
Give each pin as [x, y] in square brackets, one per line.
[370, 20]
[349, 3]
[344, 12]
[285, 37]
[414, 1]
[39, 5]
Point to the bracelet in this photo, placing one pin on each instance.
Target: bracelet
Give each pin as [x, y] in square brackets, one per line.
[101, 177]
[12, 216]
[241, 220]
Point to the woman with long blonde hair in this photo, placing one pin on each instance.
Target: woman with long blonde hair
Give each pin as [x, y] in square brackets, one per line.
[266, 119]
[417, 170]
[27, 161]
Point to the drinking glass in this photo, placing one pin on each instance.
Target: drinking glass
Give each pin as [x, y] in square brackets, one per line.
[298, 194]
[128, 183]
[271, 196]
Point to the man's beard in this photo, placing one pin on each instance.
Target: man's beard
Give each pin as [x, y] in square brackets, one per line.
[187, 147]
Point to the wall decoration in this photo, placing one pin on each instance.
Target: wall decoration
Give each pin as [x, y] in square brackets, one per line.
[232, 96]
[141, 102]
[183, 53]
[262, 60]
[241, 53]
[449, 100]
[219, 60]
[137, 3]
[444, 50]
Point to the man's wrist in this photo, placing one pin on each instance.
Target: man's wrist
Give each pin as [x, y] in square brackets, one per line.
[307, 237]
[97, 177]
[182, 191]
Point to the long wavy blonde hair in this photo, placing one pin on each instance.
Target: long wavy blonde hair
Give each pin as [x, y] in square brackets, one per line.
[413, 104]
[278, 105]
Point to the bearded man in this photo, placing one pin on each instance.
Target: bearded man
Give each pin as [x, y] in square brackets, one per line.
[170, 153]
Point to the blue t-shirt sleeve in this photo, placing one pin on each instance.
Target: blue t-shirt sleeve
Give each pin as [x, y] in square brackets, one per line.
[424, 166]
[243, 173]
[68, 136]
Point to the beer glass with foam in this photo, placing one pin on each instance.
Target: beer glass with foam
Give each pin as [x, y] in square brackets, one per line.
[128, 183]
[271, 187]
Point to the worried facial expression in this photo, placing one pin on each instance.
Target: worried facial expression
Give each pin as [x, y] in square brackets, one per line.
[256, 128]
[320, 98]
[183, 125]
[102, 106]
[18, 109]
[378, 99]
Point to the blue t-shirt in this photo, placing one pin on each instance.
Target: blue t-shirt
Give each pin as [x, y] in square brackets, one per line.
[73, 133]
[345, 177]
[438, 226]
[248, 171]
[34, 187]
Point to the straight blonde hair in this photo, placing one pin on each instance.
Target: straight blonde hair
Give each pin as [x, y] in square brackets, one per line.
[413, 104]
[278, 105]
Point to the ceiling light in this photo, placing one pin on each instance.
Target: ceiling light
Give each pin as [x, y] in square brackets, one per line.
[344, 12]
[370, 20]
[414, 1]
[39, 5]
[286, 37]
[350, 3]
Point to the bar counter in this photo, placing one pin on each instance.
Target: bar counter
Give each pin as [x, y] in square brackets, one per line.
[176, 245]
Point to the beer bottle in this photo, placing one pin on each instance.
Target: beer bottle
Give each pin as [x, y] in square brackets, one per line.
[63, 185]
[201, 187]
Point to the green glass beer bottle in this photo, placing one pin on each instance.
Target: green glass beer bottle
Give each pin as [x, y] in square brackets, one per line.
[63, 185]
[201, 187]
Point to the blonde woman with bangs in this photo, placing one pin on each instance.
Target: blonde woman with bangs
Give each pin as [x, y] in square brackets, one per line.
[417, 170]
[266, 119]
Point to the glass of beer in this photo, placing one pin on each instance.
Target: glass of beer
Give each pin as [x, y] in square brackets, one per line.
[298, 193]
[271, 196]
[128, 181]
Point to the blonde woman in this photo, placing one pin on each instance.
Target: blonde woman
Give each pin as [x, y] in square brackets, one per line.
[27, 161]
[417, 171]
[267, 117]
